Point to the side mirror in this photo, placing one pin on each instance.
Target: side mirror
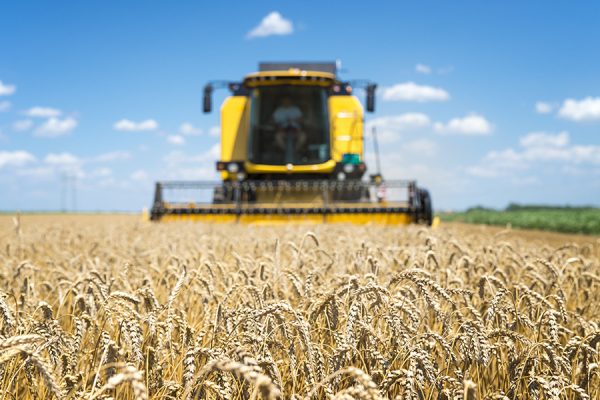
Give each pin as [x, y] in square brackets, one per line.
[207, 99]
[371, 97]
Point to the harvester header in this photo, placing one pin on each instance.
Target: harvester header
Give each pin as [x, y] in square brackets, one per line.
[292, 149]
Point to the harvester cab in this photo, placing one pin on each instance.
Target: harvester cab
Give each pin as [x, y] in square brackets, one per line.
[292, 149]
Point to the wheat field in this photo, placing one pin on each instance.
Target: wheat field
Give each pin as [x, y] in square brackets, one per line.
[112, 307]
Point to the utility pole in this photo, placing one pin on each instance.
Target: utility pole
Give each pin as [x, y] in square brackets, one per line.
[74, 190]
[63, 191]
[68, 191]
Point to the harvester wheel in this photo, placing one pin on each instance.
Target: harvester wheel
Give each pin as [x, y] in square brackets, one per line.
[426, 207]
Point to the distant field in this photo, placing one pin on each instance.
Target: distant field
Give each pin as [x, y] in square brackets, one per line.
[584, 220]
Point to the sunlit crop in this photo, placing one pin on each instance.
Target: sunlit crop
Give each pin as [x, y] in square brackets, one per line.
[103, 307]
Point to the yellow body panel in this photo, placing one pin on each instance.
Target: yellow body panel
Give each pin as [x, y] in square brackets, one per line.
[207, 218]
[280, 219]
[275, 219]
[325, 167]
[346, 124]
[290, 198]
[235, 123]
[376, 219]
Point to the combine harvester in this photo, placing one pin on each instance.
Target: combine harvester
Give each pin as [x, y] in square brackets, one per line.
[292, 150]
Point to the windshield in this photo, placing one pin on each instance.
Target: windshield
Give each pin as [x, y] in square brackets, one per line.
[289, 125]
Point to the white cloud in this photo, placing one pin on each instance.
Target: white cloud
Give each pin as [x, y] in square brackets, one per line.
[423, 69]
[16, 158]
[113, 156]
[205, 172]
[272, 24]
[179, 157]
[54, 127]
[507, 158]
[398, 162]
[472, 124]
[188, 129]
[22, 125]
[482, 171]
[199, 166]
[542, 107]
[139, 175]
[65, 162]
[422, 147]
[543, 139]
[42, 112]
[215, 131]
[5, 106]
[586, 109]
[37, 172]
[389, 128]
[54, 163]
[498, 163]
[537, 147]
[525, 181]
[102, 172]
[215, 152]
[62, 159]
[445, 70]
[6, 89]
[410, 91]
[131, 126]
[177, 140]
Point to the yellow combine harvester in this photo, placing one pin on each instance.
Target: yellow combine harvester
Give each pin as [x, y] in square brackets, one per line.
[292, 149]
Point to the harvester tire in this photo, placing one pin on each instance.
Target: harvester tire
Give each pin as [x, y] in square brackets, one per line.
[426, 207]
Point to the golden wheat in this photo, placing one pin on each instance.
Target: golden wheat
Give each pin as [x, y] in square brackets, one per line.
[99, 308]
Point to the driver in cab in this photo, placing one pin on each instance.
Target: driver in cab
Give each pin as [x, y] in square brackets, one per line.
[287, 118]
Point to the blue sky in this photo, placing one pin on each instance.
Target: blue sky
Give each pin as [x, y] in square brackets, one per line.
[481, 102]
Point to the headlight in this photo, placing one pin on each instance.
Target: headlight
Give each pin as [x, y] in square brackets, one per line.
[241, 176]
[348, 168]
[232, 168]
[341, 176]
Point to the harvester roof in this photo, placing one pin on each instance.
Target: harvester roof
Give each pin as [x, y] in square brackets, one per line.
[327, 67]
[321, 74]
